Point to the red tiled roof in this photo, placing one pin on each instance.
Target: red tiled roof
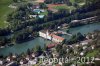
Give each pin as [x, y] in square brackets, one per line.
[57, 37]
[53, 35]
[51, 45]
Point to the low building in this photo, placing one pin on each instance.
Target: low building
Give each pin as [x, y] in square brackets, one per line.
[41, 16]
[85, 21]
[1, 62]
[51, 45]
[53, 10]
[51, 36]
[75, 21]
[32, 16]
[85, 42]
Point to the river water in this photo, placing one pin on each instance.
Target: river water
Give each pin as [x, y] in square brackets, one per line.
[19, 48]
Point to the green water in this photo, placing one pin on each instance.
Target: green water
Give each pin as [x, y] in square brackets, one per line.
[83, 29]
[19, 48]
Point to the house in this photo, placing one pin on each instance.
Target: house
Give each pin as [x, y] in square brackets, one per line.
[56, 38]
[10, 64]
[93, 47]
[60, 63]
[32, 62]
[21, 62]
[75, 21]
[41, 16]
[8, 59]
[53, 10]
[85, 42]
[27, 58]
[1, 62]
[82, 53]
[51, 36]
[32, 16]
[84, 47]
[51, 45]
[73, 65]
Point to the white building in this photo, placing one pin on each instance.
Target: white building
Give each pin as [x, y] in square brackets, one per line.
[1, 62]
[51, 36]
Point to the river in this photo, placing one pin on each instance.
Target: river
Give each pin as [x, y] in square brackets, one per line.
[19, 48]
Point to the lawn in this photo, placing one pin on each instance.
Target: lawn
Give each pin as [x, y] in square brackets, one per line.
[92, 54]
[64, 7]
[4, 10]
[61, 6]
[44, 13]
[80, 2]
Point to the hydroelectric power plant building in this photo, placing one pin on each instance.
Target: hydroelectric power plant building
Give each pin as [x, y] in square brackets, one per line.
[51, 36]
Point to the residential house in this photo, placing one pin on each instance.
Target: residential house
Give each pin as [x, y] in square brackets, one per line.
[1, 62]
[32, 16]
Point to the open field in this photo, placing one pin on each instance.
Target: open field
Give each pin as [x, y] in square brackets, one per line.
[60, 6]
[64, 6]
[40, 1]
[4, 10]
[80, 2]
[44, 13]
[93, 53]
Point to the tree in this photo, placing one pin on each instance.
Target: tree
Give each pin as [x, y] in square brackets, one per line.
[58, 47]
[38, 48]
[76, 38]
[45, 47]
[42, 5]
[15, 1]
[28, 52]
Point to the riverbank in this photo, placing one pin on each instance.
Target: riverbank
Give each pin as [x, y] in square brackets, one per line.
[19, 48]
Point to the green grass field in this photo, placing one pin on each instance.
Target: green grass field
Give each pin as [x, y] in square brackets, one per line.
[80, 2]
[4, 10]
[44, 13]
[92, 54]
[64, 7]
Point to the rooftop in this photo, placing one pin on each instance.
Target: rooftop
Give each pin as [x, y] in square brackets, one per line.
[58, 37]
[75, 21]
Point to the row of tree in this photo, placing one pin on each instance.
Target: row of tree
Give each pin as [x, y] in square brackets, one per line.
[19, 19]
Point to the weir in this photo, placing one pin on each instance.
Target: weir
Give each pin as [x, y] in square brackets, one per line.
[66, 33]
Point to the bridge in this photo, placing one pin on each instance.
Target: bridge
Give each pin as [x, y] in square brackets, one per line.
[62, 32]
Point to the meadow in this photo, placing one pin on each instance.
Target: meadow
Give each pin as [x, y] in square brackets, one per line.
[4, 11]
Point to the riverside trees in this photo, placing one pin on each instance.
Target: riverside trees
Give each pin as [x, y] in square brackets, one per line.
[19, 19]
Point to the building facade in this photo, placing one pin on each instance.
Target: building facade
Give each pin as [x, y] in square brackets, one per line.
[51, 36]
